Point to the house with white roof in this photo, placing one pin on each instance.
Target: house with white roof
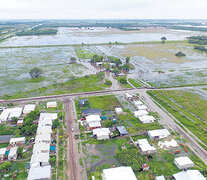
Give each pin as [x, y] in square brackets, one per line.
[93, 118]
[29, 108]
[4, 115]
[158, 133]
[2, 153]
[44, 129]
[118, 110]
[189, 175]
[15, 112]
[94, 125]
[41, 148]
[45, 122]
[12, 153]
[17, 141]
[147, 119]
[183, 162]
[39, 172]
[52, 104]
[101, 133]
[142, 107]
[138, 103]
[128, 96]
[160, 177]
[39, 159]
[45, 137]
[52, 116]
[145, 147]
[119, 173]
[140, 113]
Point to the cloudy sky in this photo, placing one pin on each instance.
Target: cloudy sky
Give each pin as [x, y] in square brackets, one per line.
[103, 9]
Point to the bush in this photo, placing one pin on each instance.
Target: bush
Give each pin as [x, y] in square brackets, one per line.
[123, 80]
[108, 82]
[35, 73]
[180, 54]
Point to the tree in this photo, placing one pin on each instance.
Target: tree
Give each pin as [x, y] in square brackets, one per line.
[101, 75]
[127, 60]
[73, 59]
[28, 122]
[163, 39]
[20, 151]
[17, 132]
[6, 165]
[15, 119]
[35, 73]
[108, 123]
[180, 54]
[123, 81]
[55, 124]
[108, 82]
[53, 160]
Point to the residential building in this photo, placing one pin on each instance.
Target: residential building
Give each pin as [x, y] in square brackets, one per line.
[101, 133]
[29, 108]
[12, 153]
[93, 118]
[52, 104]
[183, 162]
[189, 175]
[2, 153]
[142, 107]
[45, 137]
[17, 141]
[39, 159]
[147, 119]
[41, 148]
[118, 111]
[158, 133]
[39, 173]
[94, 125]
[88, 112]
[140, 113]
[122, 130]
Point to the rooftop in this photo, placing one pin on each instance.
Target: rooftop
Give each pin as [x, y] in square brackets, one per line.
[189, 175]
[39, 173]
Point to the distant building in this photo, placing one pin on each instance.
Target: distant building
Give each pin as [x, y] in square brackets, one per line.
[145, 147]
[119, 173]
[142, 107]
[9, 113]
[2, 153]
[20, 123]
[189, 175]
[94, 125]
[45, 137]
[183, 162]
[140, 113]
[39, 159]
[52, 104]
[39, 173]
[138, 103]
[122, 130]
[160, 177]
[118, 111]
[12, 153]
[147, 119]
[88, 112]
[101, 133]
[41, 148]
[29, 108]
[17, 141]
[93, 118]
[158, 133]
[128, 96]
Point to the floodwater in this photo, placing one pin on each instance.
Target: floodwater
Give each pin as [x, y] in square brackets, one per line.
[69, 36]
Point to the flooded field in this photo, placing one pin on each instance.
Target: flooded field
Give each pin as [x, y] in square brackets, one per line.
[15, 64]
[157, 63]
[66, 36]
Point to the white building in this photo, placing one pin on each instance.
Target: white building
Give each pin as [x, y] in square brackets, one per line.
[101, 133]
[39, 159]
[94, 125]
[12, 153]
[45, 122]
[183, 162]
[142, 107]
[45, 137]
[29, 108]
[41, 148]
[138, 103]
[158, 133]
[4, 115]
[92, 118]
[145, 147]
[2, 153]
[128, 96]
[15, 112]
[39, 173]
[147, 119]
[19, 140]
[167, 144]
[52, 116]
[44, 129]
[119, 173]
[52, 104]
[140, 113]
[189, 175]
[118, 111]
[160, 177]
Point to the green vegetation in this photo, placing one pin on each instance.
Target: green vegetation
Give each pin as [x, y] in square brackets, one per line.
[81, 84]
[134, 83]
[104, 103]
[6, 130]
[200, 48]
[38, 31]
[203, 29]
[3, 145]
[188, 108]
[35, 73]
[202, 40]
[82, 54]
[123, 81]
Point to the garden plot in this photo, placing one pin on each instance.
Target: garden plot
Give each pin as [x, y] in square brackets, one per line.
[54, 61]
[157, 64]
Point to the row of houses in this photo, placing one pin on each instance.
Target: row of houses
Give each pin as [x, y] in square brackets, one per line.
[39, 164]
[8, 114]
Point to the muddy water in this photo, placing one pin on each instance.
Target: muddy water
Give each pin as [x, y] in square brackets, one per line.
[67, 36]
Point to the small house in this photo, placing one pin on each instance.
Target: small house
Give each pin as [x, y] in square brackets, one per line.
[160, 177]
[142, 107]
[15, 112]
[88, 112]
[20, 123]
[39, 173]
[140, 113]
[158, 133]
[93, 118]
[101, 133]
[2, 153]
[94, 125]
[145, 147]
[145, 167]
[118, 110]
[12, 153]
[138, 103]
[122, 130]
[128, 96]
[52, 104]
[183, 162]
[147, 119]
[17, 141]
[189, 175]
[45, 137]
[29, 108]
[119, 173]
[39, 159]
[41, 148]
[44, 129]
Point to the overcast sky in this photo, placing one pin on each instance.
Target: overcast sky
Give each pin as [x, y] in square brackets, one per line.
[103, 9]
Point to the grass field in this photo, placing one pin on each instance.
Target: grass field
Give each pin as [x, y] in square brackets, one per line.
[187, 107]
